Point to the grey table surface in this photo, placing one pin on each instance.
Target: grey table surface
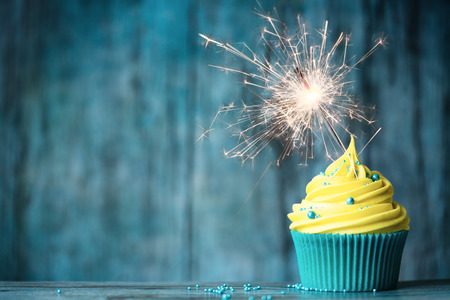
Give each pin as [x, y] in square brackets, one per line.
[433, 289]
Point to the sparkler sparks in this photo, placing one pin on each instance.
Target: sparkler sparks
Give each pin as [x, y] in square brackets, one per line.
[307, 92]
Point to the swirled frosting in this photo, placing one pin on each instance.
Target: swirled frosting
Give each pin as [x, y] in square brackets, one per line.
[348, 198]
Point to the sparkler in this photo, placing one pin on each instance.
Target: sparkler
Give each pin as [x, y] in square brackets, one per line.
[307, 92]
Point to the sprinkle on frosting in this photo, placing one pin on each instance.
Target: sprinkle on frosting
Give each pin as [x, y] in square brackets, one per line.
[376, 211]
[350, 201]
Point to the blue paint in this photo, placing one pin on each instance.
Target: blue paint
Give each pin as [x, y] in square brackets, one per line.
[99, 124]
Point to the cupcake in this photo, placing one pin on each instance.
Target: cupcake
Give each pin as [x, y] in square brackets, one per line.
[348, 232]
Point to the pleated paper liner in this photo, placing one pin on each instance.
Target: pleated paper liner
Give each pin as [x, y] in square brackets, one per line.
[355, 262]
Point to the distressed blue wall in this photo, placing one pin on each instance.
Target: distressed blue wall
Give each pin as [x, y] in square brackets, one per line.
[101, 103]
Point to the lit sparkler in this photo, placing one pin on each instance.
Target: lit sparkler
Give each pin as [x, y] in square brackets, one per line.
[307, 92]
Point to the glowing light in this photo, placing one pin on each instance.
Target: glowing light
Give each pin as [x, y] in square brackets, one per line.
[312, 94]
[304, 90]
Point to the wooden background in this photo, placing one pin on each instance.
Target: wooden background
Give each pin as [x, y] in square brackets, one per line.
[100, 106]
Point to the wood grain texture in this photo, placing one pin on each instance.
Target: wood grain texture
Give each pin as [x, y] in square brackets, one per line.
[100, 107]
[434, 289]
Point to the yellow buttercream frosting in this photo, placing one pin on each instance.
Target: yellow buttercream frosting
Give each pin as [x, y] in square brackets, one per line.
[348, 198]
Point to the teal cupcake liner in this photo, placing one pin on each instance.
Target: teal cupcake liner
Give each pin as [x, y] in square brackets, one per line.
[355, 262]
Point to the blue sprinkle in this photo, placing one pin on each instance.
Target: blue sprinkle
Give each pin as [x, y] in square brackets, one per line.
[269, 297]
[189, 288]
[324, 183]
[374, 290]
[358, 163]
[331, 174]
[58, 291]
[344, 291]
[348, 166]
[343, 160]
[288, 286]
[206, 290]
[283, 293]
[375, 177]
[251, 298]
[350, 201]
[311, 214]
[322, 173]
[348, 170]
[263, 298]
[197, 285]
[360, 208]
